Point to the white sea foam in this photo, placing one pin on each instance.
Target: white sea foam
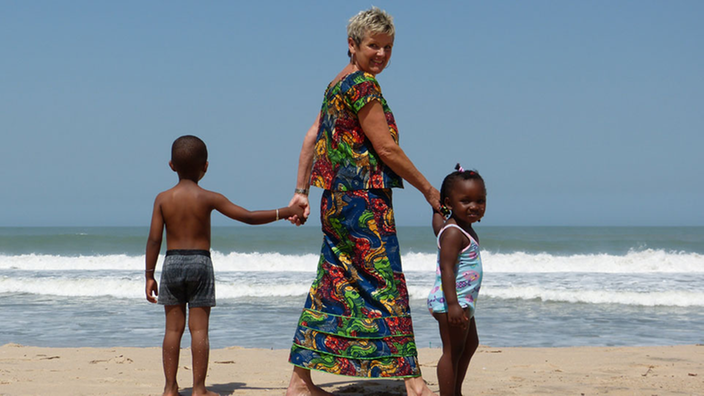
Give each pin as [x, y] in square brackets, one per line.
[647, 261]
[133, 288]
[648, 299]
[74, 287]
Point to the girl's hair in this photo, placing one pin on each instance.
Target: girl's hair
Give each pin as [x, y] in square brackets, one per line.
[458, 174]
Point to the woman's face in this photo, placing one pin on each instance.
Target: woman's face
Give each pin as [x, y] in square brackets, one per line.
[373, 53]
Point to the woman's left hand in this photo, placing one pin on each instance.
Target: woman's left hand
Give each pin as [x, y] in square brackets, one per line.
[302, 201]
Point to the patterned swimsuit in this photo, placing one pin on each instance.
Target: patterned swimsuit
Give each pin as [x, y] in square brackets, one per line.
[467, 281]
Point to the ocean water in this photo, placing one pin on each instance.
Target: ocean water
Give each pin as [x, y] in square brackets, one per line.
[543, 286]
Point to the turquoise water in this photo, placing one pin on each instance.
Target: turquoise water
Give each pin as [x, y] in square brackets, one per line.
[543, 286]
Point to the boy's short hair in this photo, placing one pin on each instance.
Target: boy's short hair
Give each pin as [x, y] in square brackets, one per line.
[188, 154]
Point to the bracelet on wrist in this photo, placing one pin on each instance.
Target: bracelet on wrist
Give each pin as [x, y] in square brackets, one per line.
[277, 215]
[303, 191]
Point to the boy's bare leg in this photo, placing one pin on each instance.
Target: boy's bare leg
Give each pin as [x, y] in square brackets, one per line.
[301, 384]
[171, 348]
[198, 320]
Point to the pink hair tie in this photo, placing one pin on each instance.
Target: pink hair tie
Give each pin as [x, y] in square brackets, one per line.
[461, 169]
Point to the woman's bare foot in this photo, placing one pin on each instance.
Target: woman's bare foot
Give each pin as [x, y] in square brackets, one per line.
[171, 390]
[208, 393]
[302, 385]
[415, 386]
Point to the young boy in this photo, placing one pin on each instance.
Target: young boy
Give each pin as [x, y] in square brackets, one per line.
[187, 274]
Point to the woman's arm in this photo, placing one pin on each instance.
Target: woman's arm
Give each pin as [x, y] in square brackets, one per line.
[373, 122]
[305, 164]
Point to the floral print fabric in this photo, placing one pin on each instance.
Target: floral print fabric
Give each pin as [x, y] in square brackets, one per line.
[344, 158]
[356, 320]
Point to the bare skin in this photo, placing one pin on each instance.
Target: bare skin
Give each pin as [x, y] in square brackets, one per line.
[184, 211]
[372, 56]
[301, 384]
[458, 331]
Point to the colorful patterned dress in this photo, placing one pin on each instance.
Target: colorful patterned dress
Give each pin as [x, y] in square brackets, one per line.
[356, 320]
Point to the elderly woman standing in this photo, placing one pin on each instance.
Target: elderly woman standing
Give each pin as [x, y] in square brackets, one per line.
[356, 320]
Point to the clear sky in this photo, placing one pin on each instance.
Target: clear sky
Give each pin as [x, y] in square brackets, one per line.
[575, 112]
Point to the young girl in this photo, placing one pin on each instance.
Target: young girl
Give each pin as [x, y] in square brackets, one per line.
[458, 275]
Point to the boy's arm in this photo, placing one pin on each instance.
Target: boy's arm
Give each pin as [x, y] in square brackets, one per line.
[451, 244]
[224, 206]
[156, 231]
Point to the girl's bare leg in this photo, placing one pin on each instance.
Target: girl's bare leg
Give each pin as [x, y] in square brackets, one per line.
[470, 346]
[301, 384]
[453, 340]
[171, 348]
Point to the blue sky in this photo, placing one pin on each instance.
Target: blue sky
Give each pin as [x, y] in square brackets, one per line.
[575, 112]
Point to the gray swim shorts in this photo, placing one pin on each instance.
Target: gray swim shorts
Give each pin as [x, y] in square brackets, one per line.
[187, 278]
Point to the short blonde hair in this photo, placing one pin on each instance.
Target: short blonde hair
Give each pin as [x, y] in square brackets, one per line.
[373, 20]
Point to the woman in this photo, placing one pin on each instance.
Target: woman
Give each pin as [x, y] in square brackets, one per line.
[356, 320]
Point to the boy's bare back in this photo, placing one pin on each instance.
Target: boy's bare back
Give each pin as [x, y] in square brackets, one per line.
[184, 211]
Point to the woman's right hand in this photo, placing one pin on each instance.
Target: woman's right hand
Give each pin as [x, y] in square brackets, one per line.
[433, 198]
[302, 201]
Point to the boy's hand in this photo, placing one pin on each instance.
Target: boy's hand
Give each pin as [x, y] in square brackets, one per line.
[456, 316]
[298, 214]
[152, 290]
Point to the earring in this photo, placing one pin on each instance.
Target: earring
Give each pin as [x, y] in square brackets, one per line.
[445, 212]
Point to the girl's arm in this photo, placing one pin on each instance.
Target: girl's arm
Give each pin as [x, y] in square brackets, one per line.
[452, 242]
[375, 127]
[305, 165]
[438, 222]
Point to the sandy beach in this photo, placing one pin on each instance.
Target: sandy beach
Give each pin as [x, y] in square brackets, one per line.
[667, 370]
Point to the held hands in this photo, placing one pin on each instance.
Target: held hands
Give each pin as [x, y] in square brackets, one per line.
[298, 212]
[302, 209]
[433, 198]
[152, 290]
[457, 316]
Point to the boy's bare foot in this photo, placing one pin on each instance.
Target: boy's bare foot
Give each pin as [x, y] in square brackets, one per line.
[415, 386]
[302, 385]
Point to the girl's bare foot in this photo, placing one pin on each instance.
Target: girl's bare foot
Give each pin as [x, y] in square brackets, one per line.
[415, 386]
[301, 384]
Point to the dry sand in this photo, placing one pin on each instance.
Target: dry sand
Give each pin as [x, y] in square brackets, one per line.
[668, 370]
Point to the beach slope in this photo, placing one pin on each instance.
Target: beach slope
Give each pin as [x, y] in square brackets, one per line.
[667, 370]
